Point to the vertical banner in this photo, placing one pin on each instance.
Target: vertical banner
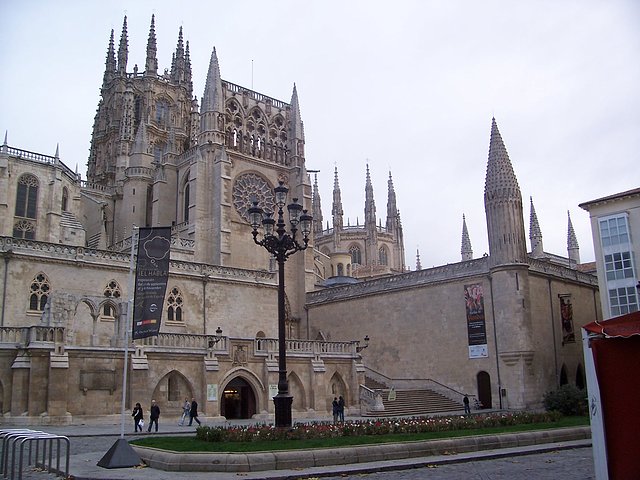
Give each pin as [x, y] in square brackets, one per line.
[566, 314]
[476, 330]
[152, 272]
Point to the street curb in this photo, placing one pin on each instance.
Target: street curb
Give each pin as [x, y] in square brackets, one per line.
[314, 458]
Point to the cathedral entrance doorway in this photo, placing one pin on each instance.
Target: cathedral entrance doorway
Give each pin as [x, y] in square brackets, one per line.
[238, 400]
[484, 389]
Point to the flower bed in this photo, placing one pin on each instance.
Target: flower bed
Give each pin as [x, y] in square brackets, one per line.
[301, 431]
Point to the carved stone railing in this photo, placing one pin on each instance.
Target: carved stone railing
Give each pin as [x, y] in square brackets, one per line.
[38, 157]
[255, 95]
[370, 400]
[121, 258]
[186, 342]
[22, 337]
[548, 268]
[306, 348]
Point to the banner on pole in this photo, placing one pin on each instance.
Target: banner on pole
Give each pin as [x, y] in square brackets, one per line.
[152, 272]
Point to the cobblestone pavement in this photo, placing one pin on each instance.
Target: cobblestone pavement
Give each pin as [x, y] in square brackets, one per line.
[575, 464]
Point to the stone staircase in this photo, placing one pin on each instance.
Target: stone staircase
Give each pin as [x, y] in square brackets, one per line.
[411, 402]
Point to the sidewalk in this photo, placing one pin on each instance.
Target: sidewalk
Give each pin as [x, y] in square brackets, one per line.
[89, 443]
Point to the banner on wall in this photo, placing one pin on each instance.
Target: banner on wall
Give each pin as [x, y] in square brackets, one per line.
[152, 273]
[476, 329]
[566, 315]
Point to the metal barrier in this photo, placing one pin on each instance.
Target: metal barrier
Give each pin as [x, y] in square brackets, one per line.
[13, 438]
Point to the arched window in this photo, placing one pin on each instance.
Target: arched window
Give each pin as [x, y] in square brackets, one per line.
[26, 202]
[174, 305]
[39, 292]
[65, 199]
[356, 256]
[112, 290]
[187, 191]
[340, 270]
[382, 256]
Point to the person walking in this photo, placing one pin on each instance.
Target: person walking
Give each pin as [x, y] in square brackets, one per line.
[467, 408]
[138, 420]
[186, 408]
[193, 412]
[341, 408]
[154, 415]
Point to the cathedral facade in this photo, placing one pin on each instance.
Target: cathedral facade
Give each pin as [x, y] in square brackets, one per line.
[159, 157]
[500, 327]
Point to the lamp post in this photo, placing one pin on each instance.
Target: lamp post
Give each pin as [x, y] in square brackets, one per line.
[281, 244]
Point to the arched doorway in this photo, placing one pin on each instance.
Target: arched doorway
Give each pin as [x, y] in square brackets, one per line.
[563, 376]
[238, 400]
[484, 389]
[580, 380]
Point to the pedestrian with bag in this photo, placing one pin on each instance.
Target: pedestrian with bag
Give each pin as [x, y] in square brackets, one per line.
[138, 420]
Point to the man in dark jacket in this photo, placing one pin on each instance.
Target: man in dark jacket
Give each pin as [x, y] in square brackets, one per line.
[193, 413]
[154, 415]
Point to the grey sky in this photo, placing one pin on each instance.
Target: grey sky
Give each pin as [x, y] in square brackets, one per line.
[407, 86]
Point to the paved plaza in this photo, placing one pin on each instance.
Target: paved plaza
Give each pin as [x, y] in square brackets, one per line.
[566, 460]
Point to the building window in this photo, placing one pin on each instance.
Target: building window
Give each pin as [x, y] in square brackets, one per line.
[614, 231]
[65, 199]
[162, 112]
[618, 266]
[187, 191]
[39, 292]
[112, 290]
[623, 300]
[356, 256]
[382, 256]
[174, 305]
[26, 202]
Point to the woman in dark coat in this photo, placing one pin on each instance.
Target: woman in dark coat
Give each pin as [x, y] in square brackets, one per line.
[137, 416]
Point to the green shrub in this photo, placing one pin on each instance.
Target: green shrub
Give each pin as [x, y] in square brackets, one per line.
[568, 400]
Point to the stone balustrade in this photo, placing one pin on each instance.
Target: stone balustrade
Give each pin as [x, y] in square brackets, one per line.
[23, 337]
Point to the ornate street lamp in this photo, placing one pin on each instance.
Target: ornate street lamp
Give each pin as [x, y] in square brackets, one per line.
[281, 244]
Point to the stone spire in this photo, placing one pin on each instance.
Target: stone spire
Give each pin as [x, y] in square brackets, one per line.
[141, 143]
[296, 128]
[392, 208]
[151, 63]
[296, 131]
[418, 264]
[123, 49]
[336, 210]
[316, 208]
[369, 203]
[187, 69]
[503, 206]
[212, 98]
[572, 242]
[110, 63]
[212, 106]
[465, 250]
[535, 234]
[178, 64]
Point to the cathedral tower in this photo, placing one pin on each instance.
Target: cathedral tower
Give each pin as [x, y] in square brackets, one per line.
[509, 276]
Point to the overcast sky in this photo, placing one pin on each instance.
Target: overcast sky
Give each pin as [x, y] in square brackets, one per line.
[406, 86]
